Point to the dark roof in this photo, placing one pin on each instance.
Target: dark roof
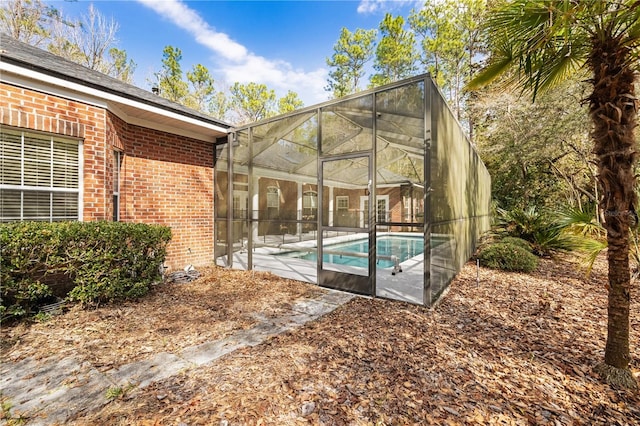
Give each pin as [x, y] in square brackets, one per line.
[26, 56]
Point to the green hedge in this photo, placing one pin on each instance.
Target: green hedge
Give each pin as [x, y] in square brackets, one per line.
[99, 261]
[508, 257]
[515, 241]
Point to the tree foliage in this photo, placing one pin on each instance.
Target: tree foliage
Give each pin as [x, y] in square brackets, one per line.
[219, 105]
[202, 88]
[289, 102]
[241, 103]
[352, 51]
[450, 38]
[537, 153]
[120, 65]
[252, 102]
[170, 81]
[27, 20]
[89, 40]
[86, 41]
[396, 53]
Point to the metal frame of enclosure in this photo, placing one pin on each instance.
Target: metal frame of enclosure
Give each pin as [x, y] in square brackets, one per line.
[379, 193]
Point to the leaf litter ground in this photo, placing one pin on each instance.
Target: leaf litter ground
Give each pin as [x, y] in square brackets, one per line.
[514, 349]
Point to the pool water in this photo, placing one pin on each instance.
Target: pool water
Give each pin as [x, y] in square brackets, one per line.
[403, 247]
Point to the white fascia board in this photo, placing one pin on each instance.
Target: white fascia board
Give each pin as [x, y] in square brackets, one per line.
[45, 83]
[23, 79]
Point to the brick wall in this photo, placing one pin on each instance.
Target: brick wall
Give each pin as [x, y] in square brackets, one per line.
[395, 213]
[165, 179]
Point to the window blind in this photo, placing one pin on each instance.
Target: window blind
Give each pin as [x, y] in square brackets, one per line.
[39, 177]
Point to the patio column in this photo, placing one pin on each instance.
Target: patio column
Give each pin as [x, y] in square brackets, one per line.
[255, 207]
[299, 210]
[331, 210]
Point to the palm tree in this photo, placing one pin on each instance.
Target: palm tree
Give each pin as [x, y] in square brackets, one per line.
[535, 45]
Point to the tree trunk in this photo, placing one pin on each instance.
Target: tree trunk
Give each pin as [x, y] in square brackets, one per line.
[613, 110]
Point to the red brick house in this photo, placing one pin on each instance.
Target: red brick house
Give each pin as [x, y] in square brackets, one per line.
[76, 144]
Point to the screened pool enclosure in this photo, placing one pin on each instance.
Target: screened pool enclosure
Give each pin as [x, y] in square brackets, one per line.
[379, 193]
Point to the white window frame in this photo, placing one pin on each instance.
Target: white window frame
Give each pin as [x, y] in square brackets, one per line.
[117, 158]
[385, 200]
[364, 208]
[309, 204]
[273, 197]
[240, 199]
[51, 188]
[340, 205]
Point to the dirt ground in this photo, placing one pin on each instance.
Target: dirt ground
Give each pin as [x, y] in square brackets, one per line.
[172, 317]
[514, 349]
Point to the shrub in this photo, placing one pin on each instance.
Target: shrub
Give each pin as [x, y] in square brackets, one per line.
[541, 229]
[552, 239]
[119, 262]
[519, 242]
[24, 250]
[508, 257]
[101, 261]
[520, 223]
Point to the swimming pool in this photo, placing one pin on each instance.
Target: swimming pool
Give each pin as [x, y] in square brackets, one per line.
[402, 247]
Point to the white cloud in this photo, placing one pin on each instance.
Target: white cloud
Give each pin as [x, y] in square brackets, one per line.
[369, 6]
[187, 19]
[372, 6]
[238, 63]
[281, 76]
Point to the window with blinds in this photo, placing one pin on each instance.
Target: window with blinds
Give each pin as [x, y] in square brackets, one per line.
[39, 177]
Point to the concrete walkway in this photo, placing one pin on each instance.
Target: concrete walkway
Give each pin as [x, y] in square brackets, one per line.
[53, 390]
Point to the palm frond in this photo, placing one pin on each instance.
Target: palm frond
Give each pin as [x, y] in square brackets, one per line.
[631, 27]
[590, 250]
[543, 40]
[580, 221]
[566, 61]
[623, 16]
[498, 65]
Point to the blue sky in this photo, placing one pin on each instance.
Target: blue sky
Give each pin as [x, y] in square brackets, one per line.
[283, 44]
